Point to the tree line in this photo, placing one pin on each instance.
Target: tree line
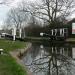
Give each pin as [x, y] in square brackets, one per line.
[32, 16]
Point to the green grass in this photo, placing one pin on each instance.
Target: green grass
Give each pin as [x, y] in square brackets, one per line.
[71, 39]
[8, 45]
[8, 65]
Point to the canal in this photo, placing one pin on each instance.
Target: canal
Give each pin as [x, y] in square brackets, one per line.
[50, 59]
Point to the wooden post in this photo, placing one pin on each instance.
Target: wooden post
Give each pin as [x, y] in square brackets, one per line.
[52, 31]
[63, 31]
[20, 31]
[14, 33]
[55, 31]
[73, 53]
[52, 50]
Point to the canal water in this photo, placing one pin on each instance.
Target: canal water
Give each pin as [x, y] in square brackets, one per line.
[50, 59]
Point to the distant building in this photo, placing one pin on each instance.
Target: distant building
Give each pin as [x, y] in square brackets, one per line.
[71, 27]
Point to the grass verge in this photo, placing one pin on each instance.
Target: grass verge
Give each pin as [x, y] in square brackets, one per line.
[9, 45]
[8, 65]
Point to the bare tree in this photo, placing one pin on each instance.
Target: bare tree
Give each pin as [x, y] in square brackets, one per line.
[49, 11]
[53, 10]
[28, 7]
[16, 18]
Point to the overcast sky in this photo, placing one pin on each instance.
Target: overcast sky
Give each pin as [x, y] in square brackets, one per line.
[5, 8]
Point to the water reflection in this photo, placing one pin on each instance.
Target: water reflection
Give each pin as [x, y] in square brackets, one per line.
[50, 60]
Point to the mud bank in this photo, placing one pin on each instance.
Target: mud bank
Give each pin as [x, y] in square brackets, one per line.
[16, 54]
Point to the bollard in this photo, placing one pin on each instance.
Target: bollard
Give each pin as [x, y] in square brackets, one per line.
[1, 51]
